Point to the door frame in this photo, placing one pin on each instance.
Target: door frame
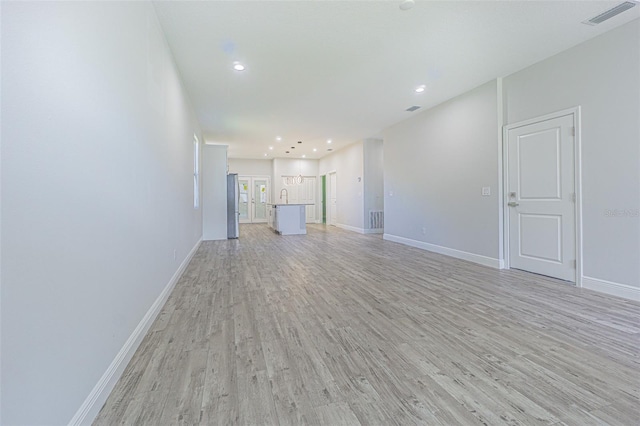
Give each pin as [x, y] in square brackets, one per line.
[251, 208]
[330, 218]
[323, 199]
[575, 112]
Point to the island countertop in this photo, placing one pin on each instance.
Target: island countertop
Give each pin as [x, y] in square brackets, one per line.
[290, 204]
[287, 219]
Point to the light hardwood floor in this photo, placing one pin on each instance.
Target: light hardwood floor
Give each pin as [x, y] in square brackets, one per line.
[338, 328]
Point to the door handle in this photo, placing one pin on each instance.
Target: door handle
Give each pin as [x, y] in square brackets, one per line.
[512, 204]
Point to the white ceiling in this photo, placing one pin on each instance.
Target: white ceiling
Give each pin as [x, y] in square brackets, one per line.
[345, 70]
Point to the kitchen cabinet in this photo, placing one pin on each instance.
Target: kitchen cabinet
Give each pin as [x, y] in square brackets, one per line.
[288, 219]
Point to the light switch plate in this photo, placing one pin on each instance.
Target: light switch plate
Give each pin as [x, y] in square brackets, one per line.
[486, 191]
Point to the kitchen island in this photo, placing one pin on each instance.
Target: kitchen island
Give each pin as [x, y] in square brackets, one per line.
[287, 219]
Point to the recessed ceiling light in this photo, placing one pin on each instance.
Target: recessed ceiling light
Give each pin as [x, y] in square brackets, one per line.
[420, 88]
[238, 66]
[299, 141]
[278, 138]
[265, 154]
[328, 140]
[271, 148]
[304, 156]
[407, 4]
[314, 149]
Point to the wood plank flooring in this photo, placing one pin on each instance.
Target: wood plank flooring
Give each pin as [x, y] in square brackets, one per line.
[337, 328]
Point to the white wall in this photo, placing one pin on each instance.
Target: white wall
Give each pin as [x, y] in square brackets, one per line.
[247, 167]
[1, 398]
[97, 164]
[373, 178]
[435, 165]
[214, 192]
[602, 76]
[437, 162]
[348, 165]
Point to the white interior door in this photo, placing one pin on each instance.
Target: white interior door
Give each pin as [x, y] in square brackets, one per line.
[254, 196]
[332, 211]
[308, 196]
[541, 198]
[245, 199]
[260, 198]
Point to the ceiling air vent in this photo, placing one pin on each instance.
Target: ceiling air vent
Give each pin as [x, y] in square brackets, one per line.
[610, 13]
[413, 108]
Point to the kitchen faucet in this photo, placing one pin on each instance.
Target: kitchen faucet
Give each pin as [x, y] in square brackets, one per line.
[286, 194]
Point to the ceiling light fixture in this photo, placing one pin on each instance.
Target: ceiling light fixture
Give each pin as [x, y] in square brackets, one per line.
[407, 4]
[278, 138]
[265, 154]
[238, 66]
[271, 148]
[420, 88]
[328, 140]
[304, 156]
[314, 149]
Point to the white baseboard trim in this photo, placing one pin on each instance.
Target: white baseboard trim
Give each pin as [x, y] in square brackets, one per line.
[374, 231]
[91, 406]
[458, 254]
[614, 289]
[350, 228]
[359, 230]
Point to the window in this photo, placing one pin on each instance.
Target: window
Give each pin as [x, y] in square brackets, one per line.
[196, 172]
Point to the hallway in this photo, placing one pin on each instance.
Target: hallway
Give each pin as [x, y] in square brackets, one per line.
[340, 328]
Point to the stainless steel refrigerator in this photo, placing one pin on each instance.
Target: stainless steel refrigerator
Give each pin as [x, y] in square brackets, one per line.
[233, 200]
